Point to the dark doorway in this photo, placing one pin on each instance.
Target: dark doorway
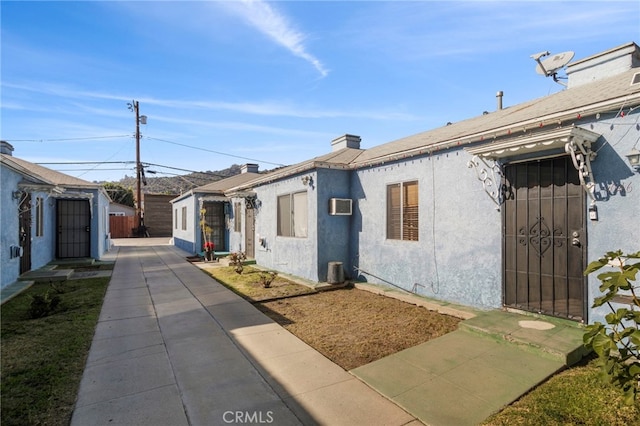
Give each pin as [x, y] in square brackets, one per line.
[544, 239]
[24, 229]
[214, 218]
[74, 229]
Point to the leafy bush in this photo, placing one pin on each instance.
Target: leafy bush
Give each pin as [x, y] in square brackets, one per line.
[618, 343]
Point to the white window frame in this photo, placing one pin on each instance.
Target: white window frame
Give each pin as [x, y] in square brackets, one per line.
[292, 215]
[404, 224]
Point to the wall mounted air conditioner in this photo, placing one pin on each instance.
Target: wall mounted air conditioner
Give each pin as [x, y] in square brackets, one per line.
[340, 207]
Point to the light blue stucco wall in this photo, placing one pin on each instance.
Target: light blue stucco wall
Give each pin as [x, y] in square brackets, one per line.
[292, 255]
[43, 247]
[9, 267]
[333, 231]
[617, 196]
[458, 255]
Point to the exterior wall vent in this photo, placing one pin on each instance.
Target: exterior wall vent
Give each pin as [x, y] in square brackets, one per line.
[340, 207]
[635, 79]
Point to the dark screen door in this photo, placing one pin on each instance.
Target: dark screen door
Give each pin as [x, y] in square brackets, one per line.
[543, 238]
[74, 228]
[25, 233]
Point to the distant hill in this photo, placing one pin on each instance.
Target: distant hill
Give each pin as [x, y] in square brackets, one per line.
[178, 184]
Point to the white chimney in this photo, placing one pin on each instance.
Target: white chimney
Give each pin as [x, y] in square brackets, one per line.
[249, 168]
[6, 148]
[603, 65]
[345, 141]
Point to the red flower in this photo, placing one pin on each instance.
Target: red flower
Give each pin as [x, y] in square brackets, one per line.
[209, 246]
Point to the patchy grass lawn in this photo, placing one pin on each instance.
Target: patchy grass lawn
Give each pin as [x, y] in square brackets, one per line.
[248, 284]
[577, 396]
[43, 359]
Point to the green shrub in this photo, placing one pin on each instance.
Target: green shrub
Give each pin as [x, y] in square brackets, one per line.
[43, 305]
[618, 343]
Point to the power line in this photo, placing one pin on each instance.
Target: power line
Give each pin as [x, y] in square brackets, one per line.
[212, 151]
[90, 170]
[89, 162]
[185, 170]
[69, 139]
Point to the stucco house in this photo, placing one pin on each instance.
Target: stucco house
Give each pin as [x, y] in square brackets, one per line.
[226, 218]
[501, 210]
[47, 215]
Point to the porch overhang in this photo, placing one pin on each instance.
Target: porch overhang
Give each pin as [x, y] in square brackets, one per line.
[555, 140]
[213, 198]
[576, 142]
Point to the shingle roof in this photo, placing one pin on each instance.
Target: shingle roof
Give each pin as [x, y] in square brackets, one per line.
[222, 185]
[549, 110]
[44, 175]
[336, 159]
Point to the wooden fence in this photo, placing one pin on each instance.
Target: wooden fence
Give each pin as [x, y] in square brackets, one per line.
[121, 226]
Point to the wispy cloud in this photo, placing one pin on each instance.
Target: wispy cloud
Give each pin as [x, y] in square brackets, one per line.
[275, 25]
[262, 108]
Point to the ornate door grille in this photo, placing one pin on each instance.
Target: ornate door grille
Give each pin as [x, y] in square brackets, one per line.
[543, 238]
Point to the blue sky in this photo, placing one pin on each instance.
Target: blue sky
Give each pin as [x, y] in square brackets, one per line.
[270, 82]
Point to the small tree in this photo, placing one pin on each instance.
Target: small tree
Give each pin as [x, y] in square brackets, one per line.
[206, 230]
[236, 260]
[618, 343]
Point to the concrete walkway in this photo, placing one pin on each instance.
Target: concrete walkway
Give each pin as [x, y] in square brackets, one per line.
[174, 347]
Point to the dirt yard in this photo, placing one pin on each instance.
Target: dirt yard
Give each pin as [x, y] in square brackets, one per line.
[351, 327]
[354, 327]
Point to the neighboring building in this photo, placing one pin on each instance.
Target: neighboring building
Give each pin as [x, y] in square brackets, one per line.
[116, 209]
[158, 216]
[501, 210]
[122, 220]
[224, 217]
[47, 215]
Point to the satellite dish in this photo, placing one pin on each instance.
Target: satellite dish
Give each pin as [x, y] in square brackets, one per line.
[550, 66]
[554, 63]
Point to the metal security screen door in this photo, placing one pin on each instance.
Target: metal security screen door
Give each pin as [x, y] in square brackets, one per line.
[214, 217]
[25, 233]
[74, 228]
[543, 237]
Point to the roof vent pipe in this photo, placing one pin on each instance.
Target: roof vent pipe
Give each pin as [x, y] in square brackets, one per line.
[499, 98]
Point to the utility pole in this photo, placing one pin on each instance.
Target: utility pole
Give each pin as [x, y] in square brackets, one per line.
[134, 106]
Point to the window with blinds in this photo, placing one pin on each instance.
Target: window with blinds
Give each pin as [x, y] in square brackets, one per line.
[402, 211]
